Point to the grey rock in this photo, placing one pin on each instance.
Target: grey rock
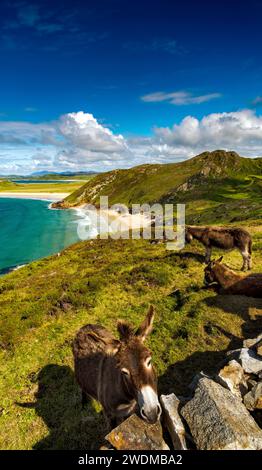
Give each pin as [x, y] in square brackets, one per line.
[232, 355]
[249, 343]
[253, 399]
[219, 421]
[170, 406]
[251, 383]
[250, 361]
[135, 434]
[232, 376]
[194, 383]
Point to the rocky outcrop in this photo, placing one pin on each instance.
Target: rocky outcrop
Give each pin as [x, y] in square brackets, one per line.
[254, 344]
[221, 412]
[250, 361]
[253, 399]
[219, 421]
[136, 434]
[172, 420]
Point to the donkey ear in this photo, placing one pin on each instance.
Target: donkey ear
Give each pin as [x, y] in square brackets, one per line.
[146, 327]
[220, 259]
[125, 330]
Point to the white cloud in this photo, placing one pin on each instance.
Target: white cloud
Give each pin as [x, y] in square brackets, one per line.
[83, 130]
[179, 98]
[77, 141]
[241, 130]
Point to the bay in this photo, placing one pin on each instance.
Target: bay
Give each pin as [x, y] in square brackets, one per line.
[29, 230]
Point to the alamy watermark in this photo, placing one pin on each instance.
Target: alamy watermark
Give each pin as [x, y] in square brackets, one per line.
[145, 221]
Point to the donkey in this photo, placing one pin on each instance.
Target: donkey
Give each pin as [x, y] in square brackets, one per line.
[231, 282]
[224, 238]
[118, 373]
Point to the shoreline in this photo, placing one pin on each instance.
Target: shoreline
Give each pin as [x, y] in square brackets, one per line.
[113, 221]
[44, 196]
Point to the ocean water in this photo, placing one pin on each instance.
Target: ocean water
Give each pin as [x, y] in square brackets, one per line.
[30, 230]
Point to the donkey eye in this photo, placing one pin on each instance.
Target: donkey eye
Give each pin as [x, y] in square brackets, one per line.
[125, 371]
[148, 362]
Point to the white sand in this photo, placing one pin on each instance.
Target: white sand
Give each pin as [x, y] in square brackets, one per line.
[123, 222]
[44, 196]
[111, 221]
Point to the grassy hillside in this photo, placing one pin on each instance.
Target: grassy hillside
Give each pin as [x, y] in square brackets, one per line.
[44, 304]
[224, 182]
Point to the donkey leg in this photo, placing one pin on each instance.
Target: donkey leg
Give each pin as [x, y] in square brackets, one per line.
[245, 257]
[208, 254]
[249, 262]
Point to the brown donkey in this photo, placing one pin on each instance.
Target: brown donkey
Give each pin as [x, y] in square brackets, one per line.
[224, 238]
[231, 282]
[118, 373]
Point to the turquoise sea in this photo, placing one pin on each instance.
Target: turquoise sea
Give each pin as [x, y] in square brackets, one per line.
[30, 230]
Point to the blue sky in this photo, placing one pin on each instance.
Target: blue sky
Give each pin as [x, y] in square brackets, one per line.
[141, 69]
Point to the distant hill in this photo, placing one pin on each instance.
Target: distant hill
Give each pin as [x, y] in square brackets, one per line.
[218, 178]
[44, 175]
[6, 185]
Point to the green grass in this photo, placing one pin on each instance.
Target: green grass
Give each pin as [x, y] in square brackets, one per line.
[210, 173]
[44, 304]
[229, 187]
[40, 187]
[6, 185]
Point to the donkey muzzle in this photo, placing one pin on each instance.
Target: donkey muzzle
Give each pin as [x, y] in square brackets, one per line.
[149, 405]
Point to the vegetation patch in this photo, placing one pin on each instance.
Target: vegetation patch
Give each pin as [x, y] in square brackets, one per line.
[43, 305]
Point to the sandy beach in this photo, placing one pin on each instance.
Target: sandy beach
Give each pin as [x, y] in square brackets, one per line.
[37, 195]
[117, 221]
[123, 222]
[111, 221]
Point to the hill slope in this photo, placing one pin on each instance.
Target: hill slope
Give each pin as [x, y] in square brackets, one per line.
[44, 304]
[217, 179]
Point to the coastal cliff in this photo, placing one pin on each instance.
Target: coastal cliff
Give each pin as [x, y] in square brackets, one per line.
[214, 185]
